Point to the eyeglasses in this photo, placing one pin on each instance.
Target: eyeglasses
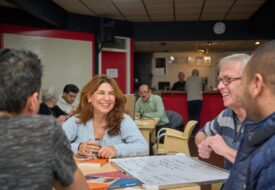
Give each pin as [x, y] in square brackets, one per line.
[144, 92]
[227, 80]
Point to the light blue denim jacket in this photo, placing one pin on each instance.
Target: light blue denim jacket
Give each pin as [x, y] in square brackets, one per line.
[128, 143]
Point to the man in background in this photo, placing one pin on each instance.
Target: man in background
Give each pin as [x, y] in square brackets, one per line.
[223, 134]
[152, 106]
[254, 166]
[194, 85]
[180, 84]
[35, 153]
[68, 102]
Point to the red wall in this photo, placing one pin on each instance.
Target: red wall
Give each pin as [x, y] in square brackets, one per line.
[211, 107]
[115, 60]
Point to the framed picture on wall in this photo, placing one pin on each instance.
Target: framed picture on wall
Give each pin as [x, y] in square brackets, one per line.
[199, 61]
[160, 66]
[191, 61]
[160, 62]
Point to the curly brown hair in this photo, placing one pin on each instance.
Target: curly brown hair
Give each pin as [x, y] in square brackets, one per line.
[85, 111]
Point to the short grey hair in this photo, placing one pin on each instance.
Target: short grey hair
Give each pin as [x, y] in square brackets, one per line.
[49, 93]
[241, 58]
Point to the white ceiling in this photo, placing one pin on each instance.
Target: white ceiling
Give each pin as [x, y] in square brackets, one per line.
[169, 11]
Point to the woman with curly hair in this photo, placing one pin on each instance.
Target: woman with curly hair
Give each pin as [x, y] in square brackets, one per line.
[100, 125]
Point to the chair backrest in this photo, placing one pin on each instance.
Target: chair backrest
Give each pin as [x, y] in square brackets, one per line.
[175, 141]
[175, 120]
[130, 105]
[189, 128]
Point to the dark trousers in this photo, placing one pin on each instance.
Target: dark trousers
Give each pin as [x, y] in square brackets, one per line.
[194, 112]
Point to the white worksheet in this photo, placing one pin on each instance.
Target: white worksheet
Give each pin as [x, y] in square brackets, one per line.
[170, 170]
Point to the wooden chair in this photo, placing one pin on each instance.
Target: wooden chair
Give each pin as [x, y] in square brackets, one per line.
[130, 105]
[174, 141]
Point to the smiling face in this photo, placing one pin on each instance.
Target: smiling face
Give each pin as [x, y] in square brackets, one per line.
[229, 91]
[103, 99]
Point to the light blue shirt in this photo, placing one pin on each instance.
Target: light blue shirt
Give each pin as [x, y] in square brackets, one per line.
[128, 143]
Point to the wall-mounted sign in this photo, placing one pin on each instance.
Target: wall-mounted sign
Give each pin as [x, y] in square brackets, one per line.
[112, 72]
[160, 66]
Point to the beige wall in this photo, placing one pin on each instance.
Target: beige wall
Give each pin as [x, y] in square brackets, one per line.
[181, 64]
[65, 61]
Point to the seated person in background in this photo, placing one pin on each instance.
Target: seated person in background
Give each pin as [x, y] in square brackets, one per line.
[35, 154]
[68, 102]
[49, 107]
[180, 84]
[223, 134]
[100, 115]
[152, 106]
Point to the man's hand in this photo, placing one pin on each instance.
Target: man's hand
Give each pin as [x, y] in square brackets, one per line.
[204, 149]
[60, 120]
[218, 145]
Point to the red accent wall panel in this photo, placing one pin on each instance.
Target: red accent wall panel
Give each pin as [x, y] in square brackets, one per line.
[176, 102]
[115, 60]
[211, 107]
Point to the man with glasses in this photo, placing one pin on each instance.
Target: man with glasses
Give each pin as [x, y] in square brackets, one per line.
[223, 134]
[254, 166]
[152, 106]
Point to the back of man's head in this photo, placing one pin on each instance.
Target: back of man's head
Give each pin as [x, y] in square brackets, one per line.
[71, 88]
[20, 77]
[195, 72]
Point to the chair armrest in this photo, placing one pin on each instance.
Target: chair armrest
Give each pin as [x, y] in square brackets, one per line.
[176, 135]
[173, 131]
[161, 131]
[159, 136]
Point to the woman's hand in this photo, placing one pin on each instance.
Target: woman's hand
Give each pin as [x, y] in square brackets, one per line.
[107, 152]
[60, 120]
[89, 148]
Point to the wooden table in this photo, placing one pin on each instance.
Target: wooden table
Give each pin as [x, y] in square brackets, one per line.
[109, 168]
[147, 126]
